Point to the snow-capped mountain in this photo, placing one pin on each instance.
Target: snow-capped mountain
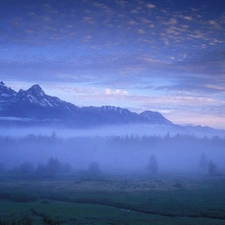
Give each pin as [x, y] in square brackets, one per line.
[34, 105]
[155, 118]
[6, 94]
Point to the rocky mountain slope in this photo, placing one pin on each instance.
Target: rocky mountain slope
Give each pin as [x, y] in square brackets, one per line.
[34, 106]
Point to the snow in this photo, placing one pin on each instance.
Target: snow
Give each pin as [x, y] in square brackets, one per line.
[5, 95]
[14, 119]
[43, 102]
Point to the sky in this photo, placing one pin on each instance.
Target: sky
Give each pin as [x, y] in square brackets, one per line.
[165, 56]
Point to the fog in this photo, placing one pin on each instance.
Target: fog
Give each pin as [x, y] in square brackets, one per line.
[116, 130]
[112, 150]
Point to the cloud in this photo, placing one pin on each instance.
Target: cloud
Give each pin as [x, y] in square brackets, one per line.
[171, 21]
[122, 3]
[89, 20]
[87, 38]
[120, 92]
[189, 18]
[144, 20]
[150, 6]
[141, 31]
[214, 24]
[192, 88]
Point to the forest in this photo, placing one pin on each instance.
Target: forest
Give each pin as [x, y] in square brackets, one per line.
[49, 155]
[128, 179]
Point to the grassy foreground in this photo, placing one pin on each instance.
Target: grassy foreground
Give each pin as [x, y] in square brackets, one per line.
[112, 200]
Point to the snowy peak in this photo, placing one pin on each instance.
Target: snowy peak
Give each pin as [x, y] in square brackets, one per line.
[6, 93]
[112, 109]
[36, 96]
[114, 115]
[155, 118]
[35, 90]
[35, 105]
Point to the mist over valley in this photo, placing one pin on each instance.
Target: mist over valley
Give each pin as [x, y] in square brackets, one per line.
[104, 158]
[36, 127]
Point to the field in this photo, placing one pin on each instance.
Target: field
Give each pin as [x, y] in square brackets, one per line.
[112, 199]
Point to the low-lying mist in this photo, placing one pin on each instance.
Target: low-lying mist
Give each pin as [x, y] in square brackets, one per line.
[114, 151]
[112, 130]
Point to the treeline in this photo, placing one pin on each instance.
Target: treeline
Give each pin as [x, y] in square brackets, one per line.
[124, 139]
[50, 155]
[52, 168]
[168, 139]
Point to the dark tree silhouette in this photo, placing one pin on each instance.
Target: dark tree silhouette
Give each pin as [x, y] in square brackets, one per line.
[53, 166]
[152, 165]
[212, 168]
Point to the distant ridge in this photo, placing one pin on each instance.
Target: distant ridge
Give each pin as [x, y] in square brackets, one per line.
[34, 107]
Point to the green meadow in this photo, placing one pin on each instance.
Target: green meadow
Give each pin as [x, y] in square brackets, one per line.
[112, 199]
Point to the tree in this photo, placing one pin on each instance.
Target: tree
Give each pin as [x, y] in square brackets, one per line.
[212, 168]
[53, 166]
[152, 165]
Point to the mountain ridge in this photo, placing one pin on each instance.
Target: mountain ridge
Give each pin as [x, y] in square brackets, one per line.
[35, 104]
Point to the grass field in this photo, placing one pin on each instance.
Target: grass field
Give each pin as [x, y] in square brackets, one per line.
[112, 199]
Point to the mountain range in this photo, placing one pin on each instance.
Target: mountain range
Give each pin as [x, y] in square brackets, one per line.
[34, 107]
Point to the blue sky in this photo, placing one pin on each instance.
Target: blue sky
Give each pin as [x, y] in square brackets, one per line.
[165, 56]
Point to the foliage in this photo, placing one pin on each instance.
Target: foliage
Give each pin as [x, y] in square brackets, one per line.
[53, 166]
[152, 165]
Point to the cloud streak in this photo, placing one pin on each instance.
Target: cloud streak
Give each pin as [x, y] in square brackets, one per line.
[134, 50]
